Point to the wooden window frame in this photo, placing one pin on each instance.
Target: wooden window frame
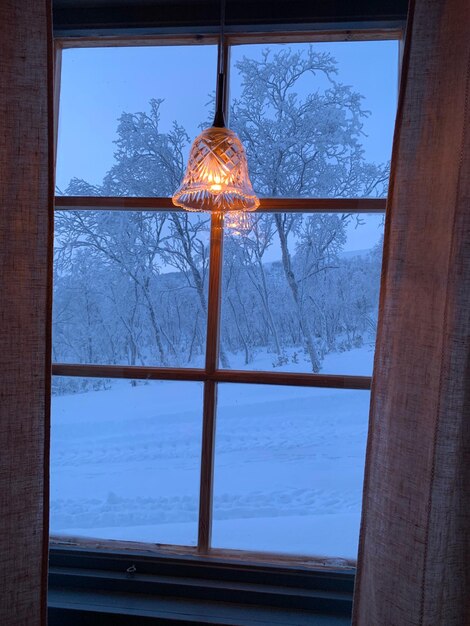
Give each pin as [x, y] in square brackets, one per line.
[211, 374]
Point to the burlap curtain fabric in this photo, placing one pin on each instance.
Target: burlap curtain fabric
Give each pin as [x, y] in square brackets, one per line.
[414, 559]
[25, 244]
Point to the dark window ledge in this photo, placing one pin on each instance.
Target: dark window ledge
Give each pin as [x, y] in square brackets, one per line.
[91, 587]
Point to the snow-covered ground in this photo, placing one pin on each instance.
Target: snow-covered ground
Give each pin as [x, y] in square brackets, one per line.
[288, 465]
[354, 362]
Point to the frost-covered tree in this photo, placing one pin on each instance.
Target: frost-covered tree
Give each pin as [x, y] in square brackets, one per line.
[308, 146]
[303, 147]
[298, 146]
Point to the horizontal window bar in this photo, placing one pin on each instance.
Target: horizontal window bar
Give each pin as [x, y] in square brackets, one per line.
[282, 205]
[255, 34]
[91, 554]
[168, 37]
[219, 376]
[316, 33]
[128, 371]
[293, 379]
[324, 205]
[93, 203]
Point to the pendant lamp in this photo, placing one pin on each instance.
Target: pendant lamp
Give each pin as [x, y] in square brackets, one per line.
[216, 177]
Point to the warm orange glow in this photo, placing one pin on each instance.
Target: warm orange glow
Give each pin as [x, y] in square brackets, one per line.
[217, 177]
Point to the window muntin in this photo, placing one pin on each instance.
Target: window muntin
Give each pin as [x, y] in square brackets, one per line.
[212, 377]
[300, 293]
[289, 469]
[118, 447]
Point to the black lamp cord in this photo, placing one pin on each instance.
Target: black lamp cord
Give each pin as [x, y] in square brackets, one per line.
[219, 119]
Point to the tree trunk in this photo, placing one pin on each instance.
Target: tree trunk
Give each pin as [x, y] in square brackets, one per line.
[265, 301]
[243, 340]
[156, 329]
[303, 323]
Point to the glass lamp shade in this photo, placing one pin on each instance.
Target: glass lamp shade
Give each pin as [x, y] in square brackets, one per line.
[238, 223]
[217, 177]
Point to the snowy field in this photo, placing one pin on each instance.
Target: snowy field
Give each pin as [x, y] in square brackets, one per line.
[288, 463]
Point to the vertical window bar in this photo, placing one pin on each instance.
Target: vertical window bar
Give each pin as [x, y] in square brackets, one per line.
[56, 87]
[212, 360]
[210, 387]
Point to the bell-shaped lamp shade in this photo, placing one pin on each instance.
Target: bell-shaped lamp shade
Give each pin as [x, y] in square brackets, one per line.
[217, 177]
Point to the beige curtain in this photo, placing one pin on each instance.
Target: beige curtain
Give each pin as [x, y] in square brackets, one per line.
[25, 240]
[414, 558]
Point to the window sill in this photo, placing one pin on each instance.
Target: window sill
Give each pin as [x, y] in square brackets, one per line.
[91, 587]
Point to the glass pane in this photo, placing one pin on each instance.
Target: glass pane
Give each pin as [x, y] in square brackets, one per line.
[130, 288]
[128, 115]
[316, 119]
[125, 459]
[300, 293]
[289, 469]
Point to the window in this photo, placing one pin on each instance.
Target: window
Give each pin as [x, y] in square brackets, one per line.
[211, 384]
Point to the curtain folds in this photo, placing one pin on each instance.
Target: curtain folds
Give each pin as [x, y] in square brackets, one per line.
[25, 280]
[414, 552]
